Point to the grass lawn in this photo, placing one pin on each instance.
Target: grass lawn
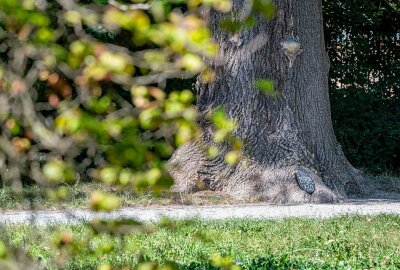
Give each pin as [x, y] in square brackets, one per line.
[357, 242]
[78, 196]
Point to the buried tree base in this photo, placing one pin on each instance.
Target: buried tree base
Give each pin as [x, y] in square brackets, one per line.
[248, 181]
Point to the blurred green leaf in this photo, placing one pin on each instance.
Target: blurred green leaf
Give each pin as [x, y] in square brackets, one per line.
[266, 7]
[267, 87]
[3, 250]
[101, 201]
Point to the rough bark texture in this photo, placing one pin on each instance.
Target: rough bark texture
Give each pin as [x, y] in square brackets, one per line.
[282, 136]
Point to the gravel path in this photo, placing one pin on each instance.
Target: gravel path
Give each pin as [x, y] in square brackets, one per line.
[258, 211]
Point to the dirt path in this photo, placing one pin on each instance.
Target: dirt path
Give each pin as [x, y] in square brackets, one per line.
[257, 211]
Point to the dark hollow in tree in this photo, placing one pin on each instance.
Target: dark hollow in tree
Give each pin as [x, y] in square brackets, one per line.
[290, 152]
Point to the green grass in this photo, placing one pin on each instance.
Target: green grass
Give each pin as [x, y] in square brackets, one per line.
[342, 243]
[78, 196]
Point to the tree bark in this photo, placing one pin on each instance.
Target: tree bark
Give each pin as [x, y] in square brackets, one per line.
[284, 137]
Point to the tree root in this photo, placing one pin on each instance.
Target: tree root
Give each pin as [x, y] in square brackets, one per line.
[249, 181]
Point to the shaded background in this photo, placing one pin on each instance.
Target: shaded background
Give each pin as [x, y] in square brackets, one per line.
[363, 42]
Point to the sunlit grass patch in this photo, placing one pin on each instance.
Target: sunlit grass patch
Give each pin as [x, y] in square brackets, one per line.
[78, 196]
[356, 242]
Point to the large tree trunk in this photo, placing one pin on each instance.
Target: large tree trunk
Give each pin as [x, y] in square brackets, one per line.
[286, 138]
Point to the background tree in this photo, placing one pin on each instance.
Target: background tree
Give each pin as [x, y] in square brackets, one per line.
[290, 153]
[364, 47]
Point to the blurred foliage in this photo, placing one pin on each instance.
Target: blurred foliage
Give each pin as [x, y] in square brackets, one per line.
[363, 43]
[87, 91]
[267, 87]
[83, 89]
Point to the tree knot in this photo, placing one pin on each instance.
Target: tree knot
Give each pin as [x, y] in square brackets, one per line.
[305, 181]
[291, 48]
